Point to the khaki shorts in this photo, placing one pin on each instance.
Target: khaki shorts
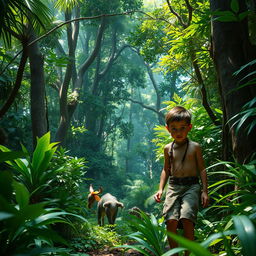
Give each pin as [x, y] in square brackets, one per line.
[182, 201]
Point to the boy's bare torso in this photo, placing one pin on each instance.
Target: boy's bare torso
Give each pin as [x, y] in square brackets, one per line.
[190, 166]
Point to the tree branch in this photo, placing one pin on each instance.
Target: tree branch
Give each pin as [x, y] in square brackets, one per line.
[18, 81]
[147, 107]
[76, 20]
[190, 12]
[204, 94]
[176, 14]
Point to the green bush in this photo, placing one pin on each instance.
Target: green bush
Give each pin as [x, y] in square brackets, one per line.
[26, 228]
[27, 215]
[67, 186]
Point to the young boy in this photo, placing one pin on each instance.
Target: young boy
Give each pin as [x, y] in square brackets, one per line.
[183, 163]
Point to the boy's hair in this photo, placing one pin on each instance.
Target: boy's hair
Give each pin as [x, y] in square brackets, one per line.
[177, 114]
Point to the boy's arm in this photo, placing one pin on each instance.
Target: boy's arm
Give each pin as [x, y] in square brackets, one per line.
[164, 175]
[203, 176]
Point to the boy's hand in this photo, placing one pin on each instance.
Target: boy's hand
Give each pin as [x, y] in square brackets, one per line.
[158, 195]
[205, 199]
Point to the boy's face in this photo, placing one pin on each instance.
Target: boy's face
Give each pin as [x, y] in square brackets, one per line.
[179, 130]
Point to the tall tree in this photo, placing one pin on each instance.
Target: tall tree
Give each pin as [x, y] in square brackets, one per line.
[23, 21]
[80, 75]
[184, 21]
[232, 49]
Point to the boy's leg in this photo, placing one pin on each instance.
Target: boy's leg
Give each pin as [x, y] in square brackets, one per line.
[172, 227]
[188, 227]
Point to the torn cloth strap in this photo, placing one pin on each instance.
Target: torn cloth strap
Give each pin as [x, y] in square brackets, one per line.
[171, 155]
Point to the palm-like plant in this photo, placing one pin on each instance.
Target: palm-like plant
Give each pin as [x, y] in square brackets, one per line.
[242, 177]
[151, 237]
[149, 234]
[232, 214]
[33, 171]
[16, 13]
[20, 19]
[26, 228]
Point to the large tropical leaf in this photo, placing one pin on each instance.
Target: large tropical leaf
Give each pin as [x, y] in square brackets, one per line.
[150, 236]
[246, 233]
[15, 14]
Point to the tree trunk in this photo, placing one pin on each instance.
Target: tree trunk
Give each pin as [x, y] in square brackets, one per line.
[128, 145]
[67, 108]
[37, 92]
[18, 81]
[93, 117]
[231, 50]
[158, 96]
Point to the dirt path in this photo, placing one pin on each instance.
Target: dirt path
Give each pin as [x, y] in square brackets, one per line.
[113, 252]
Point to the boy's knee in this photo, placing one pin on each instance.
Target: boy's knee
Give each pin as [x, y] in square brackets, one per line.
[187, 222]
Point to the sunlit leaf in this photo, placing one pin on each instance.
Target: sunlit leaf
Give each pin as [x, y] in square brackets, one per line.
[21, 194]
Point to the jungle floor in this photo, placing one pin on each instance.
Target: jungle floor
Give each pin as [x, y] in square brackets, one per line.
[113, 252]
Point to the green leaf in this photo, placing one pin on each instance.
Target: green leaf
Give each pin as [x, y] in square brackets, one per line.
[21, 193]
[234, 6]
[8, 156]
[219, 111]
[46, 160]
[5, 215]
[243, 15]
[246, 233]
[215, 238]
[225, 16]
[32, 211]
[192, 246]
[39, 152]
[251, 63]
[173, 251]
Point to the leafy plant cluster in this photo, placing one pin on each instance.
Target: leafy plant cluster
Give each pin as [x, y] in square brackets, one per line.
[30, 208]
[93, 237]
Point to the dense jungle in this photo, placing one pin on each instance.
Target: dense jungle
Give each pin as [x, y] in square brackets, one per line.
[84, 89]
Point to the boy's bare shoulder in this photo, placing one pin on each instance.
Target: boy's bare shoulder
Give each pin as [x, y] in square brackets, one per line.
[195, 145]
[167, 147]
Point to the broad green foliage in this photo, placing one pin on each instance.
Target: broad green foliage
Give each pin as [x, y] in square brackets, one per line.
[248, 113]
[149, 235]
[191, 38]
[232, 211]
[237, 237]
[17, 13]
[241, 200]
[64, 5]
[245, 120]
[25, 226]
[66, 188]
[93, 237]
[232, 15]
[27, 195]
[106, 7]
[33, 171]
[246, 232]
[150, 38]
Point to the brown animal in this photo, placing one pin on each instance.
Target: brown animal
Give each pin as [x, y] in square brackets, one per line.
[107, 205]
